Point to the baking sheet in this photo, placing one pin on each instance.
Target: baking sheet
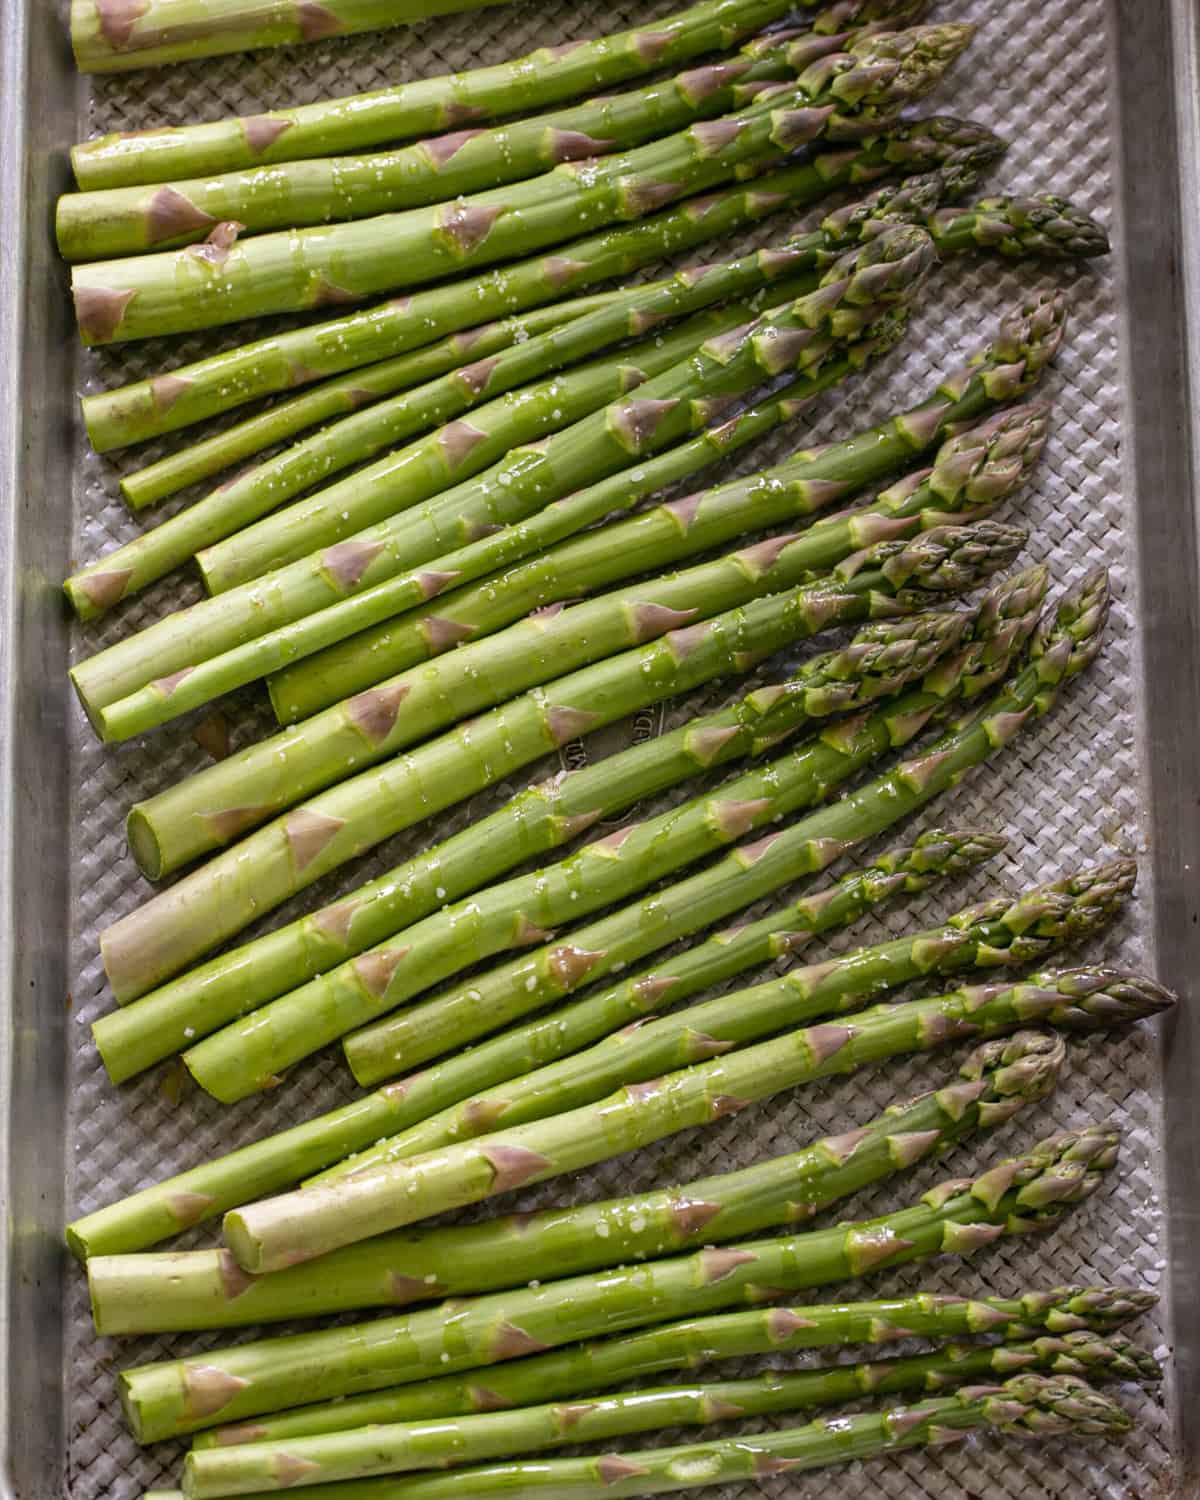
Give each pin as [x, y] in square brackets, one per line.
[1108, 772]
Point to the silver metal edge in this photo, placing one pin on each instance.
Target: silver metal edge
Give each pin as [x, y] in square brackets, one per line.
[1156, 85]
[36, 335]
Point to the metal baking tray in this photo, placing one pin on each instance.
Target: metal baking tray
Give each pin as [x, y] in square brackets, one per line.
[1100, 101]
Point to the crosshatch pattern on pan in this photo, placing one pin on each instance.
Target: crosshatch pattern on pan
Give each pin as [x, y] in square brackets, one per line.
[1066, 793]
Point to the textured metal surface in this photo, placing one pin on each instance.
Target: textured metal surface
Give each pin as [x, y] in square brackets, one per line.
[1115, 768]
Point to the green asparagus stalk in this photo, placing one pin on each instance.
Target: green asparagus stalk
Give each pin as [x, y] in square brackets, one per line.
[164, 935]
[130, 221]
[280, 961]
[981, 469]
[225, 280]
[257, 1051]
[1059, 1325]
[910, 198]
[1026, 1194]
[884, 657]
[533, 407]
[279, 1232]
[113, 38]
[399, 1447]
[158, 1212]
[783, 495]
[675, 403]
[206, 387]
[460, 1014]
[1027, 1406]
[206, 1289]
[1040, 923]
[548, 76]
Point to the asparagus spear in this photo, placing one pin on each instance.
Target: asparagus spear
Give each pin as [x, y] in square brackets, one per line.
[225, 279]
[1043, 921]
[675, 403]
[783, 495]
[1023, 1195]
[885, 657]
[168, 401]
[205, 1289]
[263, 1467]
[1028, 1406]
[108, 38]
[130, 221]
[286, 958]
[448, 1020]
[910, 198]
[257, 1051]
[177, 925]
[972, 475]
[1059, 1326]
[1044, 225]
[328, 127]
[534, 407]
[158, 1212]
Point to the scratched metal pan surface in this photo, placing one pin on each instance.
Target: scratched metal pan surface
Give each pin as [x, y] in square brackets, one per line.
[1095, 99]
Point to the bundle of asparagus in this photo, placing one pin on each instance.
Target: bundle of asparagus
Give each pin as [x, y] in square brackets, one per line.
[681, 399]
[1026, 1405]
[1072, 1326]
[226, 279]
[206, 387]
[1028, 1194]
[477, 561]
[128, 221]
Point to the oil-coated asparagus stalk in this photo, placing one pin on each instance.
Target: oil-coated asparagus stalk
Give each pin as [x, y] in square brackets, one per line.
[397, 1448]
[911, 199]
[994, 934]
[1066, 1325]
[176, 926]
[278, 962]
[206, 387]
[973, 474]
[158, 1212]
[532, 407]
[225, 279]
[278, 1232]
[113, 38]
[130, 221]
[515, 915]
[884, 657]
[201, 1289]
[780, 496]
[460, 1014]
[1026, 1406]
[430, 106]
[1026, 1194]
[679, 401]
